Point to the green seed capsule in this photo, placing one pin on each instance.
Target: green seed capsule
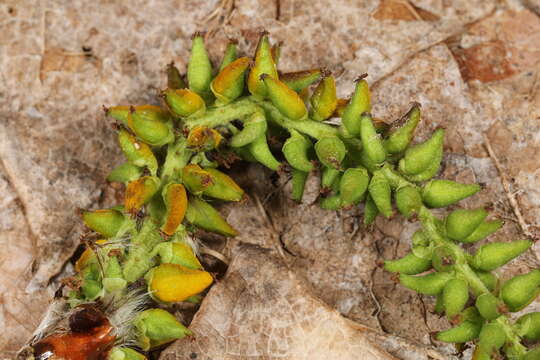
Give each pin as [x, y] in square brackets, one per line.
[261, 152]
[229, 56]
[408, 200]
[360, 103]
[491, 281]
[223, 187]
[331, 151]
[184, 102]
[174, 79]
[155, 327]
[521, 290]
[151, 124]
[494, 255]
[483, 230]
[196, 179]
[107, 222]
[492, 337]
[324, 99]
[332, 202]
[422, 246]
[399, 139]
[439, 306]
[489, 306]
[529, 326]
[125, 172]
[137, 153]
[410, 264]
[443, 259]
[199, 71]
[299, 179]
[381, 193]
[372, 143]
[125, 353]
[432, 169]
[329, 177]
[113, 281]
[466, 331]
[370, 211]
[254, 128]
[203, 215]
[179, 253]
[366, 162]
[296, 150]
[418, 157]
[353, 185]
[264, 64]
[300, 80]
[454, 297]
[139, 192]
[229, 83]
[442, 193]
[462, 222]
[533, 354]
[430, 284]
[119, 113]
[284, 99]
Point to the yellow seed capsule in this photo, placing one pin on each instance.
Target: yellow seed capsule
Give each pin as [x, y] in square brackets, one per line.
[284, 99]
[324, 99]
[184, 102]
[139, 192]
[202, 138]
[229, 83]
[264, 64]
[174, 283]
[175, 199]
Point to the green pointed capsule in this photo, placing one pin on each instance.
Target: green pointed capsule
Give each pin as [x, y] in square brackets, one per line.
[454, 297]
[521, 290]
[408, 200]
[360, 103]
[223, 187]
[203, 215]
[125, 172]
[151, 124]
[489, 306]
[113, 280]
[443, 259]
[229, 83]
[107, 222]
[179, 253]
[261, 152]
[529, 326]
[230, 54]
[381, 193]
[490, 280]
[399, 139]
[371, 141]
[295, 150]
[418, 157]
[494, 255]
[139, 192]
[370, 211]
[284, 99]
[410, 264]
[174, 78]
[462, 222]
[264, 64]
[125, 353]
[199, 71]
[492, 337]
[184, 102]
[366, 162]
[483, 230]
[119, 113]
[254, 128]
[442, 193]
[324, 99]
[329, 177]
[155, 327]
[137, 153]
[430, 284]
[468, 330]
[300, 80]
[299, 179]
[422, 246]
[196, 179]
[276, 52]
[331, 151]
[533, 354]
[432, 169]
[353, 186]
[332, 202]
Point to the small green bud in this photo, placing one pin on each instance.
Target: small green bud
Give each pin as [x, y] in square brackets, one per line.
[296, 150]
[299, 80]
[410, 264]
[521, 290]
[408, 200]
[299, 179]
[418, 157]
[107, 222]
[462, 222]
[442, 193]
[353, 185]
[324, 99]
[529, 326]
[174, 79]
[483, 230]
[370, 211]
[155, 327]
[360, 103]
[264, 64]
[331, 151]
[199, 71]
[400, 138]
[430, 284]
[203, 215]
[184, 102]
[489, 306]
[125, 172]
[494, 255]
[371, 141]
[254, 128]
[454, 297]
[381, 193]
[284, 99]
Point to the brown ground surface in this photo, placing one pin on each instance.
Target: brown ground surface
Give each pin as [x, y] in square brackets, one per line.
[474, 66]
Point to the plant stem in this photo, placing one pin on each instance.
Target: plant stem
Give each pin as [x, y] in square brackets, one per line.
[222, 115]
